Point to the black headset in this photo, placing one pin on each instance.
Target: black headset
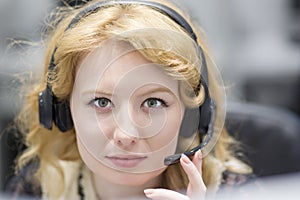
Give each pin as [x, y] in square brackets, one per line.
[201, 118]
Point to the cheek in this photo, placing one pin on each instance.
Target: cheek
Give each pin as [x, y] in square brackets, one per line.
[168, 134]
[90, 130]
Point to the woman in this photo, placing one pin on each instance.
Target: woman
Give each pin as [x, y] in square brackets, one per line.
[130, 74]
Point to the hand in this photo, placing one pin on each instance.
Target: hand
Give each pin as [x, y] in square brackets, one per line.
[196, 188]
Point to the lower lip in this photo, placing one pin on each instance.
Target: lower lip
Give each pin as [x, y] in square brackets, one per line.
[126, 162]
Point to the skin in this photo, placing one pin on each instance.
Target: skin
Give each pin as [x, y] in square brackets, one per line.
[127, 115]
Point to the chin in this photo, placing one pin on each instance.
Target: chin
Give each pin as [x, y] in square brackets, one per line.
[133, 179]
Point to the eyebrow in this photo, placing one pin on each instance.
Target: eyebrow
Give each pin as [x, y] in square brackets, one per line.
[152, 90]
[157, 89]
[102, 92]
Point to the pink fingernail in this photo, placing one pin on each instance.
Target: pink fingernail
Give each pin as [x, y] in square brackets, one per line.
[148, 192]
[199, 154]
[185, 159]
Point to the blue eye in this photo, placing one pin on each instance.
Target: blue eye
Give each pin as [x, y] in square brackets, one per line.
[102, 103]
[154, 103]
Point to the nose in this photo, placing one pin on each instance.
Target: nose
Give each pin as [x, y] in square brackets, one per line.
[125, 133]
[123, 139]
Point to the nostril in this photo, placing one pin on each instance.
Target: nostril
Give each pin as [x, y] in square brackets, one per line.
[123, 138]
[133, 141]
[125, 141]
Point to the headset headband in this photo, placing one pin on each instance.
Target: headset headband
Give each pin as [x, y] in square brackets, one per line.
[175, 16]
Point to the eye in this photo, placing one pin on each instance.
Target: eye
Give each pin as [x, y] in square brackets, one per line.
[102, 103]
[154, 103]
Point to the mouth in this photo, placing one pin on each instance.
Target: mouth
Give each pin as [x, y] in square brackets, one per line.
[126, 161]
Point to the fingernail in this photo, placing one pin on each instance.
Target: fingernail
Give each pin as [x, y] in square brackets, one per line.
[148, 192]
[185, 159]
[199, 154]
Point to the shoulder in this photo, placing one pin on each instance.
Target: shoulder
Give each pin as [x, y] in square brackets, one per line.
[24, 183]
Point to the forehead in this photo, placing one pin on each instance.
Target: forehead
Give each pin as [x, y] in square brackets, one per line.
[120, 66]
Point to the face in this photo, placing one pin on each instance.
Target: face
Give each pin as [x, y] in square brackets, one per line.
[127, 114]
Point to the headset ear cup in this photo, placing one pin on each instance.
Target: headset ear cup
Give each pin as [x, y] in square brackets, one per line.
[45, 108]
[198, 119]
[205, 116]
[190, 122]
[52, 111]
[62, 118]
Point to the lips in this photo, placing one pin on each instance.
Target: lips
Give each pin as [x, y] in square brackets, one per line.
[126, 161]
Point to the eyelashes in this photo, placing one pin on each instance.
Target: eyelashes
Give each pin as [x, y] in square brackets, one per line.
[154, 103]
[104, 104]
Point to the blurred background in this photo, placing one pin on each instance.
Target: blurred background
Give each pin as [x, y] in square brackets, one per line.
[255, 43]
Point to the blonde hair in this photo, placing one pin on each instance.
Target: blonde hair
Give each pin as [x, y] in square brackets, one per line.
[181, 61]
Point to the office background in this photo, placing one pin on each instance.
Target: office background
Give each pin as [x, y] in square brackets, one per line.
[255, 43]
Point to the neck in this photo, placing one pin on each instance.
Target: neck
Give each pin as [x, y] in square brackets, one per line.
[112, 191]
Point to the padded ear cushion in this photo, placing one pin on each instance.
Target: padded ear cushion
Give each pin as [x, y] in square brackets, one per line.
[45, 108]
[190, 122]
[198, 118]
[205, 116]
[62, 118]
[52, 111]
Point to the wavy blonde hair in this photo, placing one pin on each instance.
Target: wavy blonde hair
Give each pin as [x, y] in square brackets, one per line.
[180, 59]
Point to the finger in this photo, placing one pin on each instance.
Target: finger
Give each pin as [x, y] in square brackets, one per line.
[191, 171]
[164, 194]
[197, 160]
[197, 186]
